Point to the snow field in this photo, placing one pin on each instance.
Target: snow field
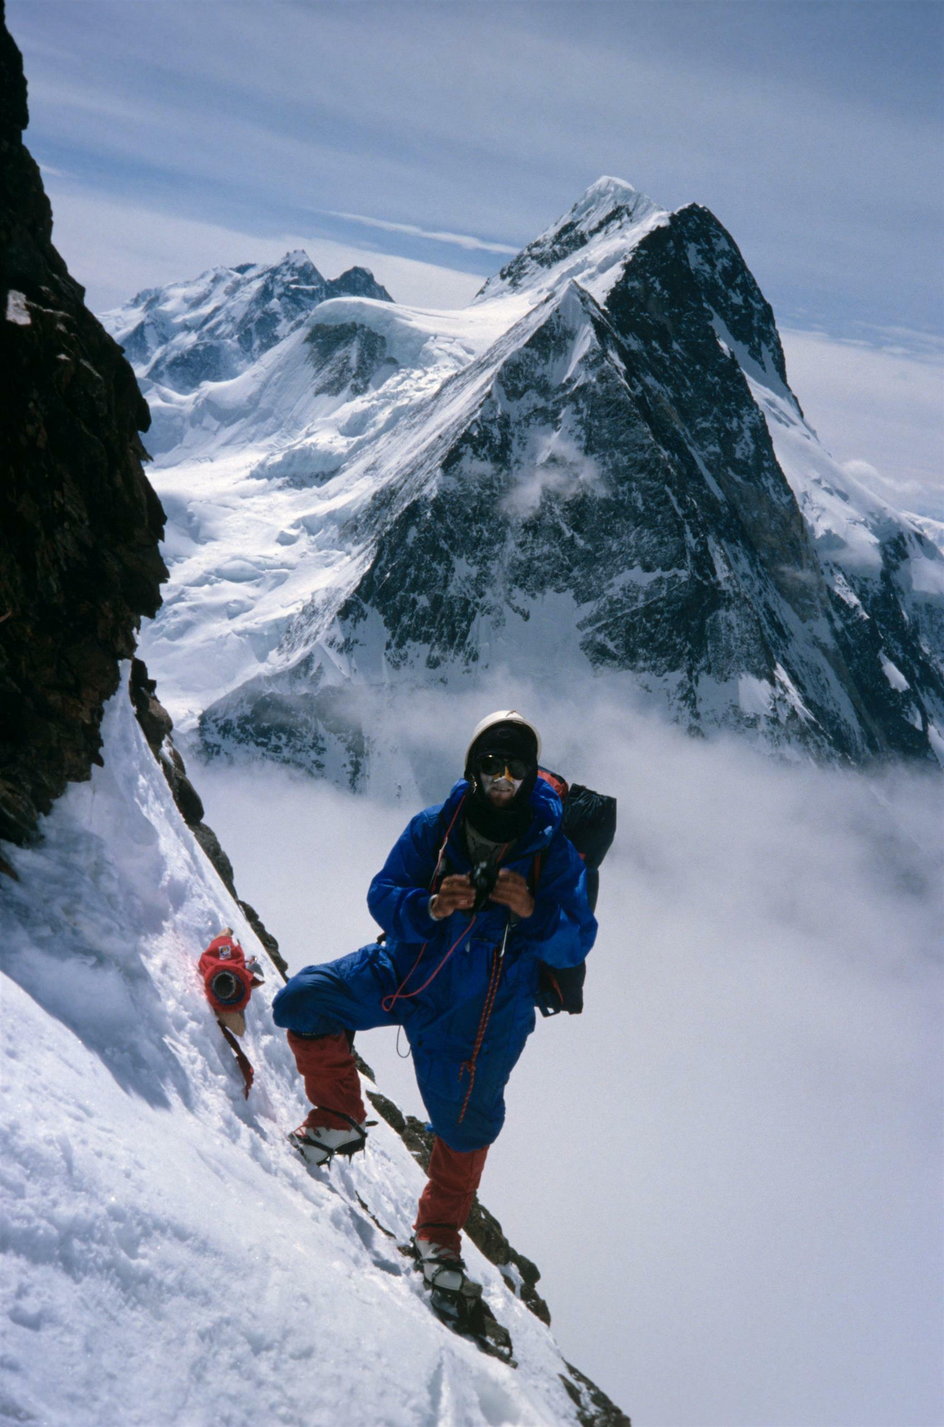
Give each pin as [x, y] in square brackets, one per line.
[169, 1259]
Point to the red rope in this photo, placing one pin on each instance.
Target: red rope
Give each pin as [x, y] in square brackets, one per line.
[242, 1060]
[388, 1002]
[442, 850]
[490, 993]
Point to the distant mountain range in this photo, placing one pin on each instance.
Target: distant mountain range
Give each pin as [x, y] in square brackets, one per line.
[213, 328]
[596, 469]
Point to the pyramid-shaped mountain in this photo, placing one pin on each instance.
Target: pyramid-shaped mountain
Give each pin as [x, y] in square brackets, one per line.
[597, 469]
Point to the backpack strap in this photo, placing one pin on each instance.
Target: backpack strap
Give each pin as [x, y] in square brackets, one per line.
[559, 784]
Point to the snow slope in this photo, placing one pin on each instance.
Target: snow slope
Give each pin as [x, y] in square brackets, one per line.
[169, 1259]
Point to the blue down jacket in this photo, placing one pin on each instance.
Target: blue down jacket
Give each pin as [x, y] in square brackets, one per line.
[431, 977]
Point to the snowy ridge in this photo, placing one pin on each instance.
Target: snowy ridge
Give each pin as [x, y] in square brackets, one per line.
[860, 538]
[589, 244]
[156, 1217]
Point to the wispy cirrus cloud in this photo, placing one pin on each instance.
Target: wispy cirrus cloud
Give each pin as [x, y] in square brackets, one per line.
[459, 240]
[170, 148]
[811, 136]
[150, 249]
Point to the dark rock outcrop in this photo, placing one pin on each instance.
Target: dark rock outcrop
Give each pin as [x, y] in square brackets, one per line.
[79, 522]
[357, 282]
[520, 1274]
[157, 726]
[348, 356]
[594, 1408]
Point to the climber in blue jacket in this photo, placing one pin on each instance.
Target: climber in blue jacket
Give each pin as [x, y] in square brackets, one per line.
[476, 894]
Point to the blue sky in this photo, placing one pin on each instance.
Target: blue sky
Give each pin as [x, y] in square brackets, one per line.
[429, 139]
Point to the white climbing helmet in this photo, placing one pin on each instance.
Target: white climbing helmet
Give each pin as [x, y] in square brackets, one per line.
[502, 716]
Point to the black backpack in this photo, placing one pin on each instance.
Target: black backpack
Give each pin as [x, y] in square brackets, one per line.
[589, 822]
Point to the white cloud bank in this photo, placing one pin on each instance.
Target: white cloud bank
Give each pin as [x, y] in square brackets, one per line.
[729, 1168]
[879, 409]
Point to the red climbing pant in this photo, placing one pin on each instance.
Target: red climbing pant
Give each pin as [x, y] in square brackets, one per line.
[331, 1080]
[445, 1202]
[332, 1083]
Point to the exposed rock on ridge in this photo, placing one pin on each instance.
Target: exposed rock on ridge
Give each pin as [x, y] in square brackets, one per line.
[610, 209]
[79, 523]
[157, 726]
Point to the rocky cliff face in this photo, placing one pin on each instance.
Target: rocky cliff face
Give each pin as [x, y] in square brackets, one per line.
[79, 523]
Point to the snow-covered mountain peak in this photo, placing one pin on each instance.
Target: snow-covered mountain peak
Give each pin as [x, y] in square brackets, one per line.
[606, 197]
[297, 258]
[193, 301]
[212, 327]
[589, 243]
[618, 396]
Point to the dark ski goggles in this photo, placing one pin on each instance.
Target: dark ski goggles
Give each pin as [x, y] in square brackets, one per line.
[493, 765]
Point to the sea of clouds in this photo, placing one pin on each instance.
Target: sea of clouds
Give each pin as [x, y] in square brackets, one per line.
[729, 1168]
